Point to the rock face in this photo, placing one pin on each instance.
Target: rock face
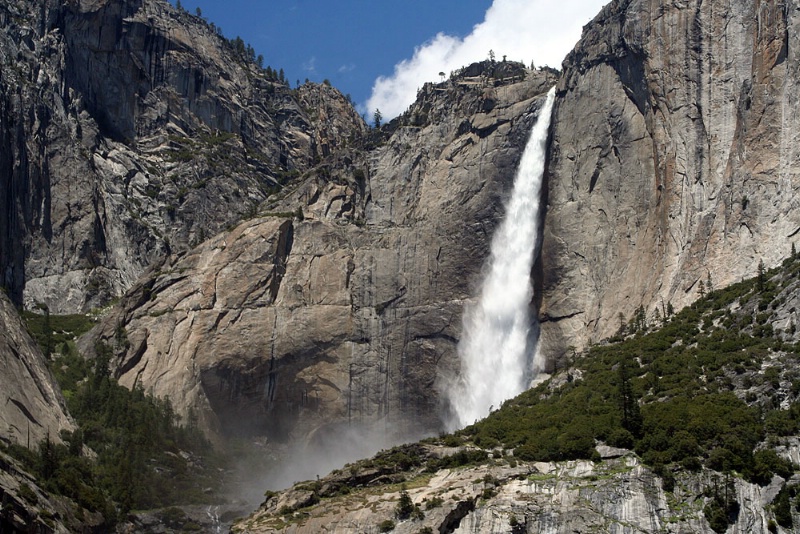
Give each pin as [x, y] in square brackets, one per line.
[674, 160]
[291, 276]
[340, 304]
[616, 495]
[129, 130]
[132, 131]
[26, 507]
[32, 405]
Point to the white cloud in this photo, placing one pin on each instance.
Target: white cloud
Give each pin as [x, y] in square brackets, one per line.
[350, 67]
[310, 65]
[542, 31]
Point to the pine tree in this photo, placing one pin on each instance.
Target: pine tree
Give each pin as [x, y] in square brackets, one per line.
[656, 317]
[622, 325]
[48, 458]
[631, 415]
[238, 44]
[405, 506]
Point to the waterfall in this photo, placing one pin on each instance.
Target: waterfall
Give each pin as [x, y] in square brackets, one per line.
[499, 336]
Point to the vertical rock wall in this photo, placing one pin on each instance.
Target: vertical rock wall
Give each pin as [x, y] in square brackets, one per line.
[674, 160]
[32, 405]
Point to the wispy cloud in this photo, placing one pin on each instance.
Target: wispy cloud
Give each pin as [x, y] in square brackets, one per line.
[539, 31]
[310, 65]
[350, 67]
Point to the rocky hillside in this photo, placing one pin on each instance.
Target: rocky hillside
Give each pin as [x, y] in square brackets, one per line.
[674, 158]
[130, 130]
[687, 424]
[617, 494]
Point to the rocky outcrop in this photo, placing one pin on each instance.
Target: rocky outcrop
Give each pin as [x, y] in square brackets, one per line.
[339, 305]
[32, 407]
[25, 506]
[615, 495]
[673, 161]
[129, 130]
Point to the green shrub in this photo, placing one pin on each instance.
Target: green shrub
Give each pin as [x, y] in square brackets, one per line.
[434, 502]
[783, 508]
[27, 493]
[137, 439]
[386, 525]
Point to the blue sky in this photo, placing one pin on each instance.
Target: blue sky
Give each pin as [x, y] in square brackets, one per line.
[381, 51]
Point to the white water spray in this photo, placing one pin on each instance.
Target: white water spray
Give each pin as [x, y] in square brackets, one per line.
[497, 345]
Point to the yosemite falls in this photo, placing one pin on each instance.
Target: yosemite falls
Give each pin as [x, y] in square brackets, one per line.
[499, 338]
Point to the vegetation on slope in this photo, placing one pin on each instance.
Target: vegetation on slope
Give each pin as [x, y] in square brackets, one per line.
[130, 451]
[705, 388]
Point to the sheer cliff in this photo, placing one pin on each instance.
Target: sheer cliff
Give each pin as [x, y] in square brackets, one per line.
[33, 407]
[338, 305]
[673, 161]
[130, 130]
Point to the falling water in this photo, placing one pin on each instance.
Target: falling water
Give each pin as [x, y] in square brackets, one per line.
[498, 341]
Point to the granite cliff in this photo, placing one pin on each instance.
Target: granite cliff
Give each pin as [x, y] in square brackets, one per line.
[131, 130]
[673, 161]
[287, 274]
[32, 410]
[339, 304]
[33, 407]
[617, 494]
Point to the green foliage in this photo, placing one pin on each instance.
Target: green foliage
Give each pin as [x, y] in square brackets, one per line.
[402, 457]
[451, 440]
[53, 332]
[765, 463]
[461, 458]
[406, 508]
[145, 459]
[782, 506]
[386, 525]
[722, 509]
[27, 493]
[434, 502]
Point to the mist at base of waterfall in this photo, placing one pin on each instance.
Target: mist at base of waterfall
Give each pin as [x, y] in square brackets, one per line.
[264, 465]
